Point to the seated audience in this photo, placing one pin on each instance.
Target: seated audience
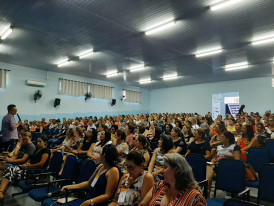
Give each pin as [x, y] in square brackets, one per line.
[228, 149]
[66, 143]
[260, 138]
[199, 146]
[188, 135]
[135, 185]
[121, 146]
[102, 184]
[142, 146]
[270, 128]
[157, 161]
[178, 140]
[231, 125]
[95, 149]
[248, 135]
[129, 132]
[178, 187]
[39, 159]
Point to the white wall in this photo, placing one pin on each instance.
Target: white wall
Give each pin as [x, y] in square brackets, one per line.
[22, 96]
[257, 94]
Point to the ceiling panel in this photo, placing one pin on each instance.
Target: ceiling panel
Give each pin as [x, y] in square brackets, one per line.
[48, 32]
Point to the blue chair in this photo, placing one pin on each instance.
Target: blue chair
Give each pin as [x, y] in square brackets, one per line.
[198, 164]
[257, 157]
[54, 168]
[237, 202]
[266, 186]
[67, 177]
[46, 131]
[230, 178]
[85, 173]
[270, 148]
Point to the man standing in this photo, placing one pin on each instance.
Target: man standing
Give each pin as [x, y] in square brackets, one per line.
[9, 129]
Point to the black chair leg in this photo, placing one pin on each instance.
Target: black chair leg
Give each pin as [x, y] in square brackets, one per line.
[18, 193]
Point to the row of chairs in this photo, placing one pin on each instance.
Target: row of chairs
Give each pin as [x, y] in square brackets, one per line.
[41, 184]
[231, 176]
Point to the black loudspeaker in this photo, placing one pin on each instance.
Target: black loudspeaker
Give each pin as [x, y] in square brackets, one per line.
[57, 102]
[113, 102]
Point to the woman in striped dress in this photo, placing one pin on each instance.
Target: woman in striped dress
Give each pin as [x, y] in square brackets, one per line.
[178, 187]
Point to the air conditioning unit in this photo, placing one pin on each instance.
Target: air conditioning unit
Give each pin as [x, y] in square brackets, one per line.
[35, 83]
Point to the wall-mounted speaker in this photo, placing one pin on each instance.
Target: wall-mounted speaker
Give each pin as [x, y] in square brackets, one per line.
[113, 102]
[57, 102]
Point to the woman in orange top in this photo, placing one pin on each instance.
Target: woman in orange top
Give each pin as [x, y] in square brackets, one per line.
[248, 135]
[178, 187]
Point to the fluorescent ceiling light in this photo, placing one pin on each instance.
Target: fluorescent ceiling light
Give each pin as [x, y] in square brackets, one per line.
[86, 54]
[63, 63]
[137, 68]
[223, 4]
[170, 77]
[208, 52]
[263, 39]
[160, 27]
[145, 81]
[113, 74]
[241, 65]
[6, 33]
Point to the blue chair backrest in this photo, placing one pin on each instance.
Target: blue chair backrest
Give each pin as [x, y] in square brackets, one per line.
[270, 148]
[257, 157]
[266, 186]
[198, 164]
[51, 131]
[56, 162]
[86, 171]
[70, 168]
[230, 176]
[56, 131]
[46, 131]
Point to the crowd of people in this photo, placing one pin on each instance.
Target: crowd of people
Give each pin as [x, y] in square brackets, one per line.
[142, 155]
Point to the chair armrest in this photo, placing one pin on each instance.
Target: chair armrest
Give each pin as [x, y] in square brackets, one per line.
[45, 173]
[203, 182]
[247, 190]
[59, 181]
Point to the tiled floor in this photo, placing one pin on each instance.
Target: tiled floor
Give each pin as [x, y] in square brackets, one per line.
[20, 200]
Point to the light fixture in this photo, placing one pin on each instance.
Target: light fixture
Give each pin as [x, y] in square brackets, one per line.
[170, 77]
[208, 52]
[263, 39]
[237, 66]
[63, 63]
[6, 33]
[145, 81]
[137, 68]
[113, 74]
[222, 4]
[160, 27]
[86, 54]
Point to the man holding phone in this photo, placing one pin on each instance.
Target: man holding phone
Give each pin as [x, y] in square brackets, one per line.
[9, 130]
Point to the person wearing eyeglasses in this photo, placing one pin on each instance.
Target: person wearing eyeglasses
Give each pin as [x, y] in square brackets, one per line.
[135, 185]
